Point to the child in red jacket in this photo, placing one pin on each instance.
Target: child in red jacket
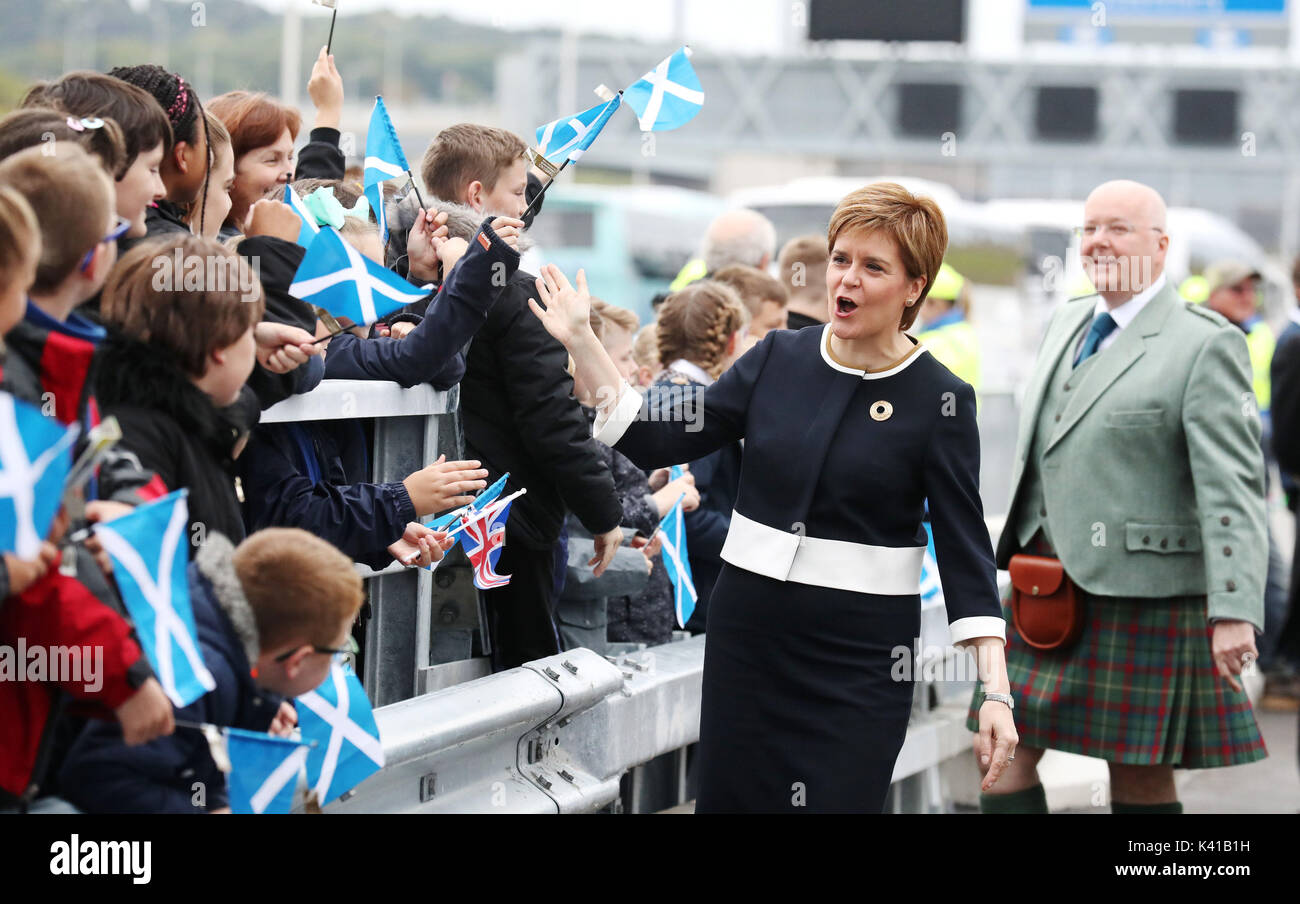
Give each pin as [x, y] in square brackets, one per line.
[59, 643]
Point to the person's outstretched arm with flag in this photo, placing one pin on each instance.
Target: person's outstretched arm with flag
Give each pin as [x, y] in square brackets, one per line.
[453, 316]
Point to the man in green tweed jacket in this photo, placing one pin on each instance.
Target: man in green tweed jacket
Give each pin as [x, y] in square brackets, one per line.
[1139, 467]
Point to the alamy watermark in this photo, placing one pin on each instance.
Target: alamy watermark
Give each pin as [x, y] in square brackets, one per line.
[65, 665]
[180, 272]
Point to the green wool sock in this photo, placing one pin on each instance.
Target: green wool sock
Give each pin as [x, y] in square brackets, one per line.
[1175, 808]
[1030, 800]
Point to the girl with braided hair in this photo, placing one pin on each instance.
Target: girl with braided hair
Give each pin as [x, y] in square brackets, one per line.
[187, 164]
[701, 331]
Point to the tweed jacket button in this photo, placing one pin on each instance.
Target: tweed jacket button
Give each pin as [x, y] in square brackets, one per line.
[1182, 541]
[1058, 418]
[1164, 542]
[1232, 585]
[1042, 512]
[1227, 550]
[1146, 541]
[1225, 520]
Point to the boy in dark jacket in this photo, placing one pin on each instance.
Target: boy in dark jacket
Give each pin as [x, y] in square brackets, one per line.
[269, 616]
[315, 475]
[519, 411]
[174, 368]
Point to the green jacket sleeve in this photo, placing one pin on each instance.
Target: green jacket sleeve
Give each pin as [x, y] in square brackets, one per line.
[1222, 426]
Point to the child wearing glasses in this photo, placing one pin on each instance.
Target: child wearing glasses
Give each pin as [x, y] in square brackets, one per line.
[270, 615]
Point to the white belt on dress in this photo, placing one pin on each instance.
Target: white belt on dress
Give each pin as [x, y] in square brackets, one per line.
[838, 564]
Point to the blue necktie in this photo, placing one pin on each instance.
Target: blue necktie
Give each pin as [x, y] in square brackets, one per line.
[1102, 326]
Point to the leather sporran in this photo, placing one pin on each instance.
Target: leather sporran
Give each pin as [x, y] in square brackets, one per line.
[1046, 608]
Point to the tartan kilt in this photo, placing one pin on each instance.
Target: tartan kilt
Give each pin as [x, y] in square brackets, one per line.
[1138, 687]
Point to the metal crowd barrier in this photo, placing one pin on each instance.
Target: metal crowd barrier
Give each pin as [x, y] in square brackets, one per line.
[577, 732]
[421, 624]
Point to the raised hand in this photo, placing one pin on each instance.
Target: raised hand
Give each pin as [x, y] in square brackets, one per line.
[567, 311]
[326, 90]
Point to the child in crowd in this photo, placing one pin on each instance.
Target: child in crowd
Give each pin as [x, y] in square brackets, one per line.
[263, 131]
[645, 352]
[204, 217]
[762, 295]
[40, 604]
[36, 126]
[314, 475]
[700, 331]
[144, 124]
[173, 367]
[270, 614]
[518, 409]
[646, 616]
[185, 169]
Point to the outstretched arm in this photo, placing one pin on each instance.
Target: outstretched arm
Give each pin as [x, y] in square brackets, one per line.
[567, 317]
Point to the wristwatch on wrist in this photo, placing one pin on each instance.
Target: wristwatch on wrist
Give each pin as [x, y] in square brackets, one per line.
[1002, 698]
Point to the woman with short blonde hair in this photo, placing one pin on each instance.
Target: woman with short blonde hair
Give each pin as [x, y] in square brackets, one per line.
[850, 432]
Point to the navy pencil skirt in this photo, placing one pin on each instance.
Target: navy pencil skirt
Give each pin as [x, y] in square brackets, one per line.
[800, 712]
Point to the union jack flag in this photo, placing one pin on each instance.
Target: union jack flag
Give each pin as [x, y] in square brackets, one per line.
[484, 535]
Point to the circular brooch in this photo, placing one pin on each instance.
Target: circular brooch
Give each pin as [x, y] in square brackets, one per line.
[881, 411]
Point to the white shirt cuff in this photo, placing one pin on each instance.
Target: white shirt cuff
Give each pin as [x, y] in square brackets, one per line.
[964, 630]
[612, 422]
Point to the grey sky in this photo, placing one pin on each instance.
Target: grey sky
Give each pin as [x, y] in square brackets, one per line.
[737, 26]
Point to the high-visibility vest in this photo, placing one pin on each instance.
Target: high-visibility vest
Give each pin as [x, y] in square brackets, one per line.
[694, 269]
[1260, 342]
[956, 347]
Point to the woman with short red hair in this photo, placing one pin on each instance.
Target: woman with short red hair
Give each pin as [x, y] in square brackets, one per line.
[263, 131]
[849, 431]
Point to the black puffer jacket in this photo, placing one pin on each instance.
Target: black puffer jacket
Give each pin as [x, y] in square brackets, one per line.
[175, 431]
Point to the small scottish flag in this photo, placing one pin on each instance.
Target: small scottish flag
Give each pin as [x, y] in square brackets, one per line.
[672, 533]
[333, 275]
[337, 716]
[568, 137]
[149, 552]
[668, 96]
[308, 231]
[35, 458]
[264, 771]
[384, 160]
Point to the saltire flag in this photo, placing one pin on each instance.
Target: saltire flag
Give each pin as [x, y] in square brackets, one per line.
[569, 136]
[484, 536]
[264, 771]
[931, 586]
[35, 458]
[338, 718]
[149, 551]
[667, 96]
[335, 276]
[384, 160]
[672, 533]
[308, 230]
